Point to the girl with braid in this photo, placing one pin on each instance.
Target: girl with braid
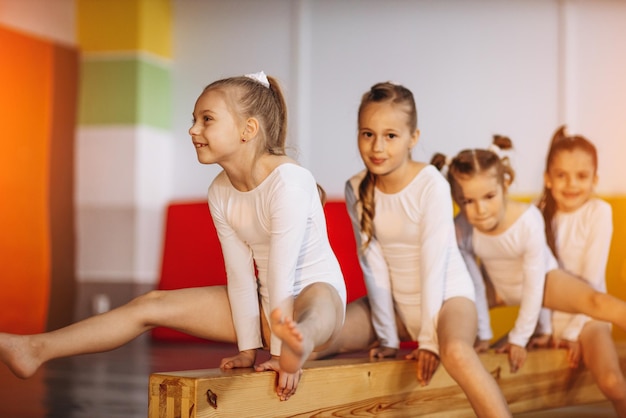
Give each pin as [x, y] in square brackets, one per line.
[578, 229]
[418, 286]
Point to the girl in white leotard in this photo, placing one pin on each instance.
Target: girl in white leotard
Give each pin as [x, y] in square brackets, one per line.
[268, 215]
[579, 227]
[509, 239]
[417, 283]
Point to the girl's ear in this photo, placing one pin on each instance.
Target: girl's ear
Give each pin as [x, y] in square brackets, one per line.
[250, 129]
[506, 183]
[595, 180]
[414, 138]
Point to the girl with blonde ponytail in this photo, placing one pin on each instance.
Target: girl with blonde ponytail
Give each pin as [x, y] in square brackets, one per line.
[285, 289]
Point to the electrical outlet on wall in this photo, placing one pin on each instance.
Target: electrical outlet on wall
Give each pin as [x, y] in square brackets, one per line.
[100, 303]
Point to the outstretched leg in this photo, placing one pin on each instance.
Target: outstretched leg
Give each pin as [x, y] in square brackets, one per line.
[456, 331]
[204, 312]
[601, 359]
[568, 293]
[318, 317]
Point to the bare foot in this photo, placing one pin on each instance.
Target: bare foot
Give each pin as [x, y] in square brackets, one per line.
[18, 354]
[295, 349]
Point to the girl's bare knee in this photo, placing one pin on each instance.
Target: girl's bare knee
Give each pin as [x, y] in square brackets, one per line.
[613, 385]
[148, 298]
[455, 353]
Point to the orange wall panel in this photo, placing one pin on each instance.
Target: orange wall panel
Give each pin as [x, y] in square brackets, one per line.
[25, 111]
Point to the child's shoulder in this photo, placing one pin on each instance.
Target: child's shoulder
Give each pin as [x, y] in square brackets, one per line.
[429, 172]
[291, 167]
[291, 174]
[597, 207]
[592, 214]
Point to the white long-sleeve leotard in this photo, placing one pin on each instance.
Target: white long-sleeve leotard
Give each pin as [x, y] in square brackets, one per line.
[516, 261]
[583, 240]
[412, 263]
[280, 228]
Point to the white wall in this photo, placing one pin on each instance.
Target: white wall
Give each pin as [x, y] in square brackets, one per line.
[596, 88]
[217, 39]
[476, 67]
[518, 68]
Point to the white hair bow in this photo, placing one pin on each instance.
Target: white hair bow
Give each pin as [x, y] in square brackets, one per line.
[446, 166]
[260, 77]
[501, 153]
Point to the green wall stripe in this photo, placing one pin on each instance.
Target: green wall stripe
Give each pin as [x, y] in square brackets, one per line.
[126, 91]
[155, 96]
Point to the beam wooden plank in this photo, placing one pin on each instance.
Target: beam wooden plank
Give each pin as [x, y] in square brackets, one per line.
[386, 388]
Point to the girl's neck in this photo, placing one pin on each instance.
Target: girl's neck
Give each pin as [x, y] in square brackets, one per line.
[513, 209]
[398, 179]
[570, 209]
[247, 174]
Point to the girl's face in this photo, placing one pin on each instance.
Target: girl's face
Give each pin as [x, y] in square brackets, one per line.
[385, 139]
[571, 179]
[483, 201]
[215, 132]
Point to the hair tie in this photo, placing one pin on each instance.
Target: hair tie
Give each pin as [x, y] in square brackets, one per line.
[446, 166]
[259, 77]
[502, 154]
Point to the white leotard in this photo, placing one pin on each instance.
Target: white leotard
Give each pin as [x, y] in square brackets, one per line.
[412, 263]
[280, 228]
[583, 240]
[516, 261]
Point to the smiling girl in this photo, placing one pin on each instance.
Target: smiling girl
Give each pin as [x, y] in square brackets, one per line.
[579, 228]
[509, 239]
[418, 287]
[285, 288]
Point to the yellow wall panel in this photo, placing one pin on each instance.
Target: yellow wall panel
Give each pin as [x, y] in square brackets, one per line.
[155, 34]
[108, 25]
[125, 25]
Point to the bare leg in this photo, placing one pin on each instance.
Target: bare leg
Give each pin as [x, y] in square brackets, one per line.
[456, 331]
[204, 312]
[602, 361]
[318, 317]
[568, 293]
[357, 333]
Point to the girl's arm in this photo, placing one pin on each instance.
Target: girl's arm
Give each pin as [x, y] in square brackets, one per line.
[438, 239]
[598, 225]
[376, 277]
[535, 253]
[464, 241]
[242, 288]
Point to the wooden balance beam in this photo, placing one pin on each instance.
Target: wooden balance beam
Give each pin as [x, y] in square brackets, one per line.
[359, 387]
